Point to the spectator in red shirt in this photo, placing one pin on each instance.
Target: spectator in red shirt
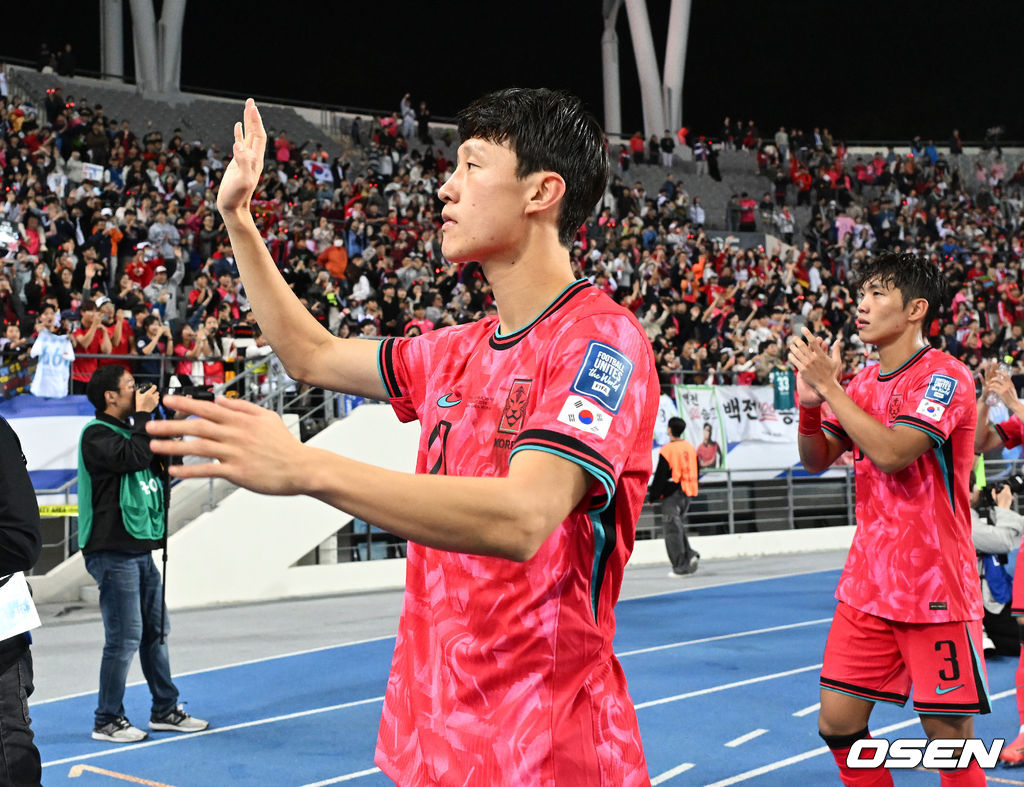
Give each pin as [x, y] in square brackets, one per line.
[636, 147]
[90, 338]
[138, 269]
[120, 332]
[747, 205]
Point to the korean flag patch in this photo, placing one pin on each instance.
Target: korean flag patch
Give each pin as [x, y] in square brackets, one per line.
[940, 389]
[585, 416]
[930, 409]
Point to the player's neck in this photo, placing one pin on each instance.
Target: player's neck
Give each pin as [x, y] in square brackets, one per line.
[893, 355]
[523, 288]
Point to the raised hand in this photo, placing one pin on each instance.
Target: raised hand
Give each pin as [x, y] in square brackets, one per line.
[998, 382]
[243, 173]
[818, 366]
[246, 444]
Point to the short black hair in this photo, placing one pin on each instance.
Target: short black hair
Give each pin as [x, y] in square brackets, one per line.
[547, 130]
[676, 427]
[914, 276]
[105, 378]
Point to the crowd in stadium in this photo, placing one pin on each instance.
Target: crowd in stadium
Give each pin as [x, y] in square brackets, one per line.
[356, 237]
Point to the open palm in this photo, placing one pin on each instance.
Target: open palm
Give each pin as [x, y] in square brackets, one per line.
[243, 173]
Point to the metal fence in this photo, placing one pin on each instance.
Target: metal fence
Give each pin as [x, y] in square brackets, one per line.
[729, 501]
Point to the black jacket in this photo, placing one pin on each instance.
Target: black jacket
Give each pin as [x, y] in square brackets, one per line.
[108, 457]
[20, 540]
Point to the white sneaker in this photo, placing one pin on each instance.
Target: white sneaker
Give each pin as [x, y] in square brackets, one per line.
[176, 720]
[119, 730]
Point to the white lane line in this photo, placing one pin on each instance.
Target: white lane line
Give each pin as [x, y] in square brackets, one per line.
[661, 778]
[744, 738]
[719, 637]
[263, 659]
[245, 663]
[653, 649]
[727, 582]
[725, 686]
[808, 710]
[346, 778]
[214, 731]
[774, 766]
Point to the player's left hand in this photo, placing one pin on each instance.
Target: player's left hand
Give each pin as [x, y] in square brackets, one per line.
[818, 366]
[243, 172]
[252, 446]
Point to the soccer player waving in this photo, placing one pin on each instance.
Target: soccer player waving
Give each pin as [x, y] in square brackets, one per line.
[909, 609]
[533, 463]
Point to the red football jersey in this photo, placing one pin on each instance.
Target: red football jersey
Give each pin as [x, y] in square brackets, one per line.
[912, 559]
[504, 672]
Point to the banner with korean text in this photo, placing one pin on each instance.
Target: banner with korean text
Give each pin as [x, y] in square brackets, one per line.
[718, 417]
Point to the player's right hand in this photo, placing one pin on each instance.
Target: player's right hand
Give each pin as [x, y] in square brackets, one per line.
[243, 173]
[806, 396]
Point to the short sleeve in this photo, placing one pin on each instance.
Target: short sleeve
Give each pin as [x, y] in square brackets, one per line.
[404, 365]
[936, 402]
[597, 394]
[1011, 431]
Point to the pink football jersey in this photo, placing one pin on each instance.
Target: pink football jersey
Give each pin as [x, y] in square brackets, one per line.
[912, 559]
[503, 672]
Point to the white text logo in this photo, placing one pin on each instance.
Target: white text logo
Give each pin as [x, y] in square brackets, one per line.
[911, 752]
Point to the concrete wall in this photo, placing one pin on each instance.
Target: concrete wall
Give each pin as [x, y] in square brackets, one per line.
[246, 549]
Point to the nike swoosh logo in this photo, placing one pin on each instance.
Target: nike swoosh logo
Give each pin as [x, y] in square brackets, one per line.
[445, 402]
[939, 690]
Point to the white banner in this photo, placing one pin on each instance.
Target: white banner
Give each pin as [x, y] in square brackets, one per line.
[721, 417]
[698, 406]
[748, 413]
[92, 172]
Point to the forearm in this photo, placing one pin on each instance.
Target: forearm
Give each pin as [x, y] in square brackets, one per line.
[484, 516]
[816, 452]
[293, 333]
[877, 441]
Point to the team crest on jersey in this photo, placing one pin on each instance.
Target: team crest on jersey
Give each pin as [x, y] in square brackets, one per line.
[895, 403]
[515, 406]
[940, 389]
[603, 376]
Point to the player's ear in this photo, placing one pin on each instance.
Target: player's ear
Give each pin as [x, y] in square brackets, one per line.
[917, 309]
[546, 189]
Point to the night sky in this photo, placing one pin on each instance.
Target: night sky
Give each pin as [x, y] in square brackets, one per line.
[866, 70]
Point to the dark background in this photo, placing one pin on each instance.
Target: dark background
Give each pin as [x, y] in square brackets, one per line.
[865, 70]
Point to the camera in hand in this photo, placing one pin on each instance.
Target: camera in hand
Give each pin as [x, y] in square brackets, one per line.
[988, 494]
[200, 392]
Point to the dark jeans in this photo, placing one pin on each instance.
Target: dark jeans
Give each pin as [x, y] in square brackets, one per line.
[673, 522]
[130, 604]
[19, 757]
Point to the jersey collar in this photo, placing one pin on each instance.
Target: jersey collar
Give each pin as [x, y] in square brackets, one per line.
[499, 342]
[906, 364]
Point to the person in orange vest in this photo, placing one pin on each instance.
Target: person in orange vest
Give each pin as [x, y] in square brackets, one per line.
[675, 484]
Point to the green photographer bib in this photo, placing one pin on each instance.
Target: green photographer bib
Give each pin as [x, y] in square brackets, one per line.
[141, 497]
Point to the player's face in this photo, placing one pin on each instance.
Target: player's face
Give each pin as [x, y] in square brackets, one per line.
[484, 215]
[882, 316]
